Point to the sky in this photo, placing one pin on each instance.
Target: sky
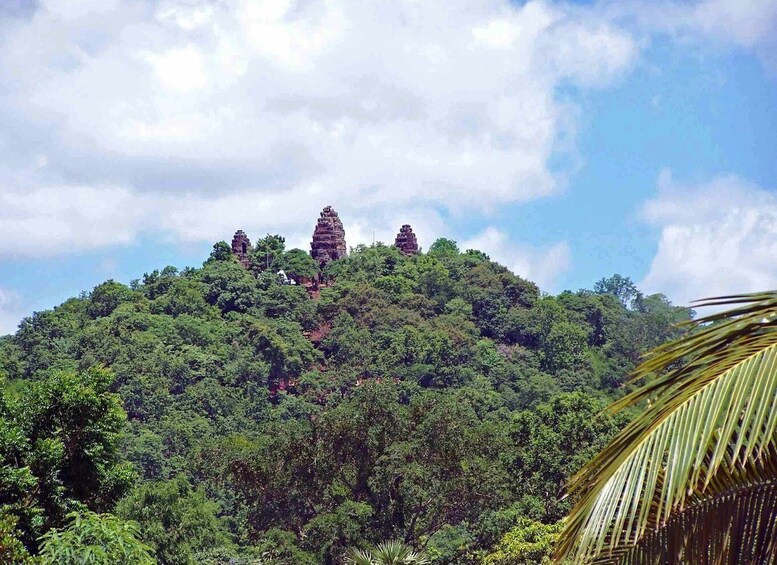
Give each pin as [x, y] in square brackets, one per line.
[568, 140]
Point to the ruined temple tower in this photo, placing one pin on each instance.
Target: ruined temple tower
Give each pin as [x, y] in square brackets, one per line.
[328, 238]
[406, 241]
[241, 245]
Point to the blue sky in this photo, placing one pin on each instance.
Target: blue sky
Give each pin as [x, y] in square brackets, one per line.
[568, 140]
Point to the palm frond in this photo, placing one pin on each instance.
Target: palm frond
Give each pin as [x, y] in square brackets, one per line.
[738, 525]
[395, 552]
[392, 552]
[359, 557]
[709, 400]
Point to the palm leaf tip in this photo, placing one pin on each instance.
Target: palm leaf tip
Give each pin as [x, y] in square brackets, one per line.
[709, 418]
[392, 552]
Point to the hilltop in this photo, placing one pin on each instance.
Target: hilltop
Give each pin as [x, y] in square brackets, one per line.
[434, 397]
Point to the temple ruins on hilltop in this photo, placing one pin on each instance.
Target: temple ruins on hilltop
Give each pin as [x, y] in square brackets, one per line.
[406, 241]
[240, 247]
[328, 238]
[328, 243]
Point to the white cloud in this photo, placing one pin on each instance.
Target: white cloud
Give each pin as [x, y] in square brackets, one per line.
[717, 238]
[190, 118]
[748, 24]
[41, 221]
[10, 312]
[180, 70]
[542, 265]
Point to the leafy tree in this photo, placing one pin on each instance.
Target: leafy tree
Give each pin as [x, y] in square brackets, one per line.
[431, 278]
[184, 296]
[49, 339]
[221, 252]
[620, 287]
[174, 519]
[12, 550]
[564, 346]
[330, 533]
[278, 547]
[297, 264]
[106, 297]
[266, 252]
[230, 287]
[448, 543]
[528, 543]
[694, 474]
[95, 539]
[443, 247]
[58, 450]
[552, 442]
[477, 254]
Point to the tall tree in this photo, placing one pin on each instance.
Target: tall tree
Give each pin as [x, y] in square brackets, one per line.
[266, 252]
[59, 449]
[619, 286]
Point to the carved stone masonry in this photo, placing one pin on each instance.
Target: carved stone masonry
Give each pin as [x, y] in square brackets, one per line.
[328, 238]
[241, 245]
[406, 241]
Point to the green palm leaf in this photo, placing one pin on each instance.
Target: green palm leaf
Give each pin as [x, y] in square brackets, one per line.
[708, 421]
[359, 557]
[392, 552]
[733, 521]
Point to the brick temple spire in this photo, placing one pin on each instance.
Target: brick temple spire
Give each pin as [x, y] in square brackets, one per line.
[241, 245]
[328, 238]
[406, 241]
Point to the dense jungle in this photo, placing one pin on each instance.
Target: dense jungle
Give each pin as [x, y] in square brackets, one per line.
[221, 414]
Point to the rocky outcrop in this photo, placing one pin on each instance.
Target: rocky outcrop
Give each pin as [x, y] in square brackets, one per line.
[406, 241]
[328, 238]
[241, 245]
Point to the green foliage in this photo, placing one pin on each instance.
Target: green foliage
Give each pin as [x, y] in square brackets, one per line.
[95, 539]
[106, 297]
[620, 287]
[265, 253]
[528, 543]
[12, 550]
[387, 553]
[448, 543]
[693, 475]
[444, 247]
[58, 450]
[564, 346]
[177, 521]
[221, 252]
[297, 264]
[332, 532]
[279, 547]
[552, 442]
[435, 398]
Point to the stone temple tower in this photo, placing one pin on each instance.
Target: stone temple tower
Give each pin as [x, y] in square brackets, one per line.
[406, 241]
[241, 245]
[328, 238]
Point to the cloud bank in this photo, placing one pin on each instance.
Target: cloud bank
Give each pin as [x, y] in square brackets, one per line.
[750, 24]
[187, 119]
[716, 238]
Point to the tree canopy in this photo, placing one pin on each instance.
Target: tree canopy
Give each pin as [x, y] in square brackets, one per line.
[437, 399]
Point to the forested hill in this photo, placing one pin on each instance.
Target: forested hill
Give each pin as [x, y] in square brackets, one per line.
[439, 399]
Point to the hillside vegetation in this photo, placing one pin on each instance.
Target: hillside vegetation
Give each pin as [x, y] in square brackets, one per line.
[216, 413]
